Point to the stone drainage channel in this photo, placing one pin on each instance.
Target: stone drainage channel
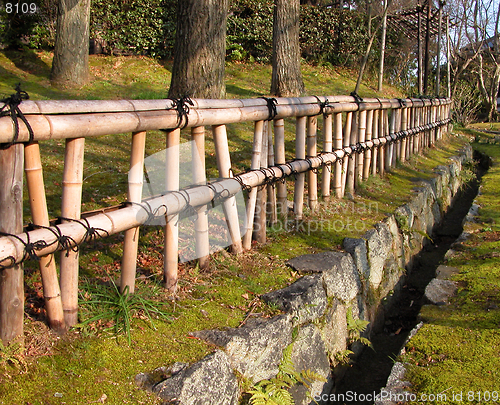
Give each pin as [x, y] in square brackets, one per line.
[372, 368]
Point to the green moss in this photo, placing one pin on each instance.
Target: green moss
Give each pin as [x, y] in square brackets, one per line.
[458, 348]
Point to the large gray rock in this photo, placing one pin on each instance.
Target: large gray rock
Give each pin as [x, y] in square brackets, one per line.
[335, 330]
[256, 349]
[455, 169]
[340, 277]
[309, 353]
[209, 381]
[379, 243]
[357, 248]
[439, 291]
[305, 299]
[397, 247]
[445, 272]
[341, 280]
[311, 263]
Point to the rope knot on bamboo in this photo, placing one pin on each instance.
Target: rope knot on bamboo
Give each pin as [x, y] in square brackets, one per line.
[181, 106]
[322, 105]
[11, 109]
[219, 196]
[357, 98]
[91, 233]
[30, 248]
[271, 106]
[64, 242]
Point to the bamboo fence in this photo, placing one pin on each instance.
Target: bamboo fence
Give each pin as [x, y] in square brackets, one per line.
[359, 138]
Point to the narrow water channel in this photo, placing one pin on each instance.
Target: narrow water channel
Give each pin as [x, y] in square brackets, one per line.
[371, 369]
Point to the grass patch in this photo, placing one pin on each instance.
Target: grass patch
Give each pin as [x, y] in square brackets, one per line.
[458, 348]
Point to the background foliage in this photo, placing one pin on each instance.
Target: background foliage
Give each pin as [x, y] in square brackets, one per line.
[147, 27]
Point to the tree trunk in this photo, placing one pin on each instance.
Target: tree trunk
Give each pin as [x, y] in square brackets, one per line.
[200, 49]
[382, 51]
[286, 77]
[70, 66]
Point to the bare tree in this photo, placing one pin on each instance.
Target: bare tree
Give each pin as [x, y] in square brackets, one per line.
[70, 66]
[287, 77]
[200, 49]
[364, 60]
[463, 48]
[475, 50]
[489, 55]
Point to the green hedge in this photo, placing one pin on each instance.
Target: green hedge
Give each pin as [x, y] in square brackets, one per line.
[147, 27]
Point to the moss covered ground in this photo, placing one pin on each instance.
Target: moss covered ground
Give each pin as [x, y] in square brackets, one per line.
[455, 357]
[93, 363]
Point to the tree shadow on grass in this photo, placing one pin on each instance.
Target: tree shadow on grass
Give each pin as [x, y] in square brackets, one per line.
[28, 61]
[244, 93]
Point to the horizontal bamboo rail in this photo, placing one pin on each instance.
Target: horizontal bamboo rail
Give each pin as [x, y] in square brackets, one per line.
[376, 133]
[84, 124]
[131, 216]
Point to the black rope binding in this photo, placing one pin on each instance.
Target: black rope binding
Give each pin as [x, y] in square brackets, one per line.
[357, 98]
[30, 248]
[152, 215]
[91, 233]
[219, 196]
[322, 105]
[181, 106]
[64, 242]
[271, 106]
[11, 109]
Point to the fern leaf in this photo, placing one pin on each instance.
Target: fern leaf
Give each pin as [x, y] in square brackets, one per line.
[366, 342]
[311, 376]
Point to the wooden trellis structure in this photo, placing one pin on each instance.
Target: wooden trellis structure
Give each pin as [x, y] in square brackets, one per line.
[359, 138]
[421, 23]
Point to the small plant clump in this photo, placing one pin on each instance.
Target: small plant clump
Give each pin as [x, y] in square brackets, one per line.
[276, 390]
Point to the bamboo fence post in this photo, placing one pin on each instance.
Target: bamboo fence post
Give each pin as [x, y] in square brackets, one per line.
[383, 151]
[360, 158]
[375, 151]
[71, 208]
[389, 149]
[252, 195]
[135, 183]
[428, 142]
[351, 168]
[423, 121]
[271, 191]
[40, 216]
[434, 119]
[395, 124]
[202, 243]
[224, 167]
[438, 117]
[347, 141]
[432, 113]
[411, 125]
[312, 176]
[327, 147]
[404, 127]
[11, 221]
[300, 153]
[260, 223]
[279, 146]
[368, 137]
[418, 136]
[171, 249]
[338, 164]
